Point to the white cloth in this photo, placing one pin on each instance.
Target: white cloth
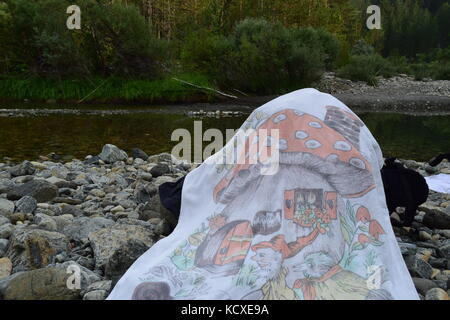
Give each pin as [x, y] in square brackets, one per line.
[316, 229]
[439, 182]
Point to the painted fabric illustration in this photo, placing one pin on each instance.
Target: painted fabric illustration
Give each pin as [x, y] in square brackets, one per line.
[316, 228]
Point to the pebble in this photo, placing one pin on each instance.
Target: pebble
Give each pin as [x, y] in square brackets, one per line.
[437, 294]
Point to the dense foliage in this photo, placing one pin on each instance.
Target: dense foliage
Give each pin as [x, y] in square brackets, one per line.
[255, 46]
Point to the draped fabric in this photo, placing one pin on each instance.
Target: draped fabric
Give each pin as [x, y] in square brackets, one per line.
[314, 226]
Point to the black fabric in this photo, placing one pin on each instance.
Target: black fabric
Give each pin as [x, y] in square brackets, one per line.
[403, 188]
[170, 195]
[435, 161]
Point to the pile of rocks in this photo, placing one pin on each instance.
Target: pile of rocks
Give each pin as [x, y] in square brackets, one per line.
[400, 85]
[426, 245]
[93, 218]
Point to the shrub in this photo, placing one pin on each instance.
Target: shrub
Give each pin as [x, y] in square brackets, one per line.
[366, 68]
[262, 57]
[421, 70]
[441, 71]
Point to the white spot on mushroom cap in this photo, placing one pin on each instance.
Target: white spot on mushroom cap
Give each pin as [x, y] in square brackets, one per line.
[300, 134]
[315, 124]
[312, 144]
[357, 163]
[299, 113]
[279, 118]
[342, 145]
[333, 157]
[283, 145]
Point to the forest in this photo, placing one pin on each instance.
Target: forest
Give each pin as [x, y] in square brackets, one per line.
[136, 49]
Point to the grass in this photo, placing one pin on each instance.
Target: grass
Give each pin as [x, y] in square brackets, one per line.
[104, 89]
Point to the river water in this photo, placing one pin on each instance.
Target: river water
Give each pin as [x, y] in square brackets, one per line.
[402, 136]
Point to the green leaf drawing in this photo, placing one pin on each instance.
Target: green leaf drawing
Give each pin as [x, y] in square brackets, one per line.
[357, 246]
[345, 230]
[363, 228]
[376, 242]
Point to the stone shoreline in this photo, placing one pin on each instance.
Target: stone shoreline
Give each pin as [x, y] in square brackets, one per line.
[101, 214]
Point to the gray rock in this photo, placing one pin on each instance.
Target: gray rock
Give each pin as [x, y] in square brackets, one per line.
[105, 285]
[62, 221]
[110, 154]
[437, 219]
[145, 192]
[3, 246]
[436, 294]
[423, 285]
[6, 207]
[439, 263]
[139, 154]
[3, 220]
[5, 185]
[72, 210]
[418, 267]
[26, 204]
[6, 230]
[45, 222]
[96, 295]
[23, 169]
[159, 170]
[163, 228]
[41, 190]
[92, 160]
[105, 242]
[82, 227]
[4, 283]
[34, 248]
[407, 249]
[444, 251]
[122, 258]
[56, 282]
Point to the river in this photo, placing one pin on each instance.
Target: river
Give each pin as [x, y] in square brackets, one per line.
[77, 135]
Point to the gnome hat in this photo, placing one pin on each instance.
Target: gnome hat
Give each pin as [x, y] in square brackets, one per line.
[307, 141]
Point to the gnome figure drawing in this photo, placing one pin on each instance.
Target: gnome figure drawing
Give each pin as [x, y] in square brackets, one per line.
[315, 228]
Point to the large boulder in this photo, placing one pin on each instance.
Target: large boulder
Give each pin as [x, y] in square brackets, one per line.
[41, 190]
[34, 248]
[56, 282]
[80, 228]
[107, 241]
[110, 154]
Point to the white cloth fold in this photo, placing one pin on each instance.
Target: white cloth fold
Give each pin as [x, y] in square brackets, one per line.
[439, 182]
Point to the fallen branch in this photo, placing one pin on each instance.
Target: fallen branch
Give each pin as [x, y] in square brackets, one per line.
[206, 88]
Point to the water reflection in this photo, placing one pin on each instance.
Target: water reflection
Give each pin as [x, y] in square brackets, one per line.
[404, 136]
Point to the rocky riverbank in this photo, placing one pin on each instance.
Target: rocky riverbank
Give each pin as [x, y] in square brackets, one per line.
[99, 215]
[398, 94]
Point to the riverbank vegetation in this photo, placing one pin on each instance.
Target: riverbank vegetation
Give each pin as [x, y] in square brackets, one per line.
[137, 49]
